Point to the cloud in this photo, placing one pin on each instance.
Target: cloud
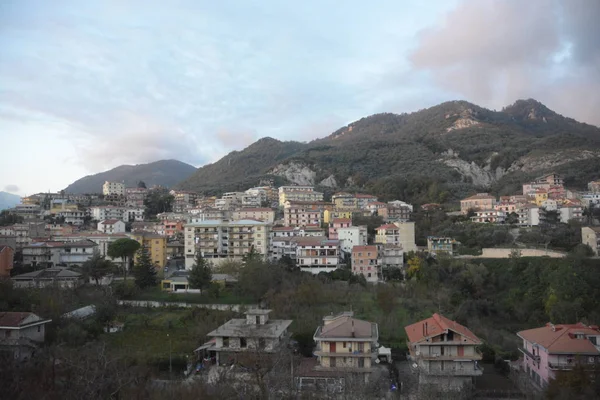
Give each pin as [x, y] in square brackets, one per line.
[11, 188]
[235, 139]
[495, 51]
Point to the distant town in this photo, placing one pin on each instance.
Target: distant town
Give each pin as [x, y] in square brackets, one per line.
[58, 240]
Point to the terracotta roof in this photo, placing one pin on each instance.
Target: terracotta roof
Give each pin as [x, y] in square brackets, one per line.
[387, 226]
[436, 325]
[342, 220]
[345, 326]
[110, 221]
[257, 209]
[13, 319]
[562, 338]
[3, 246]
[316, 241]
[364, 248]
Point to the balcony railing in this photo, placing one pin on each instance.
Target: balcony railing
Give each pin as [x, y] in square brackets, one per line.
[476, 356]
[570, 365]
[529, 354]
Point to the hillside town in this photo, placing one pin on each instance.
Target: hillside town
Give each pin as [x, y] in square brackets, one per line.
[50, 240]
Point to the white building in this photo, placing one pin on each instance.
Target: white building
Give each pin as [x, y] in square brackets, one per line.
[529, 215]
[133, 214]
[101, 213]
[399, 203]
[258, 213]
[74, 217]
[317, 254]
[352, 236]
[113, 188]
[282, 246]
[111, 226]
[21, 333]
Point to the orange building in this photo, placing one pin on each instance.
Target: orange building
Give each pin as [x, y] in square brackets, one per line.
[6, 261]
[366, 261]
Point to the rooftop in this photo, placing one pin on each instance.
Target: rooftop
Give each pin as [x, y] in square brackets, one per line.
[19, 319]
[344, 325]
[480, 196]
[436, 325]
[49, 273]
[239, 327]
[364, 248]
[562, 338]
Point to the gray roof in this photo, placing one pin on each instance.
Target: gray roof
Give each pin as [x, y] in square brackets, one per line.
[238, 327]
[81, 313]
[49, 273]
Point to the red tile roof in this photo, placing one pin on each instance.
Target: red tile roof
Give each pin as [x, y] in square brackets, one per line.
[436, 325]
[561, 338]
[364, 248]
[342, 220]
[387, 226]
[13, 319]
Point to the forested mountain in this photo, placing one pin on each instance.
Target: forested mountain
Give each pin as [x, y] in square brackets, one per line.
[165, 173]
[433, 155]
[8, 200]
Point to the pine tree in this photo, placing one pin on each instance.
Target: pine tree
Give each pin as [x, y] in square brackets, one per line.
[201, 274]
[144, 271]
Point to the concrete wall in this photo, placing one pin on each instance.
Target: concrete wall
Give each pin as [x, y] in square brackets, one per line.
[220, 307]
[505, 253]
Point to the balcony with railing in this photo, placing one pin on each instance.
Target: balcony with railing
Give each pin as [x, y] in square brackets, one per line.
[448, 357]
[529, 354]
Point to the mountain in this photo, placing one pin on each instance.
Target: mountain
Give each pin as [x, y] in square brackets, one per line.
[8, 200]
[165, 173]
[437, 154]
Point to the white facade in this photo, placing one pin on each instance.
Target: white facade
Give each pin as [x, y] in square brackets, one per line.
[352, 236]
[113, 188]
[317, 255]
[133, 214]
[111, 226]
[74, 217]
[101, 213]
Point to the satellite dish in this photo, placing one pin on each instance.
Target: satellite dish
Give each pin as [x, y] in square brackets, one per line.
[377, 361]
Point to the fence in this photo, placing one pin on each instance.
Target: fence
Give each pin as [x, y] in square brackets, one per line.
[220, 307]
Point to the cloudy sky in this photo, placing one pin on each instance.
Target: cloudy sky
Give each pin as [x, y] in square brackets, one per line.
[89, 85]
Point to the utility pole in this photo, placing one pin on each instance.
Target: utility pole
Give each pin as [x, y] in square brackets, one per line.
[170, 358]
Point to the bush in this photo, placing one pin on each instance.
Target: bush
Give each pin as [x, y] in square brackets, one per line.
[126, 290]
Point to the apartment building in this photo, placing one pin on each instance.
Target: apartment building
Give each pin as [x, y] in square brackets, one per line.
[259, 213]
[529, 215]
[73, 217]
[444, 245]
[156, 245]
[558, 349]
[344, 201]
[100, 213]
[317, 254]
[298, 193]
[113, 188]
[336, 224]
[393, 213]
[135, 196]
[172, 227]
[489, 216]
[346, 345]
[444, 352]
[479, 201]
[391, 255]
[333, 213]
[219, 240]
[594, 186]
[53, 253]
[366, 261]
[301, 214]
[352, 236]
[111, 226]
[397, 233]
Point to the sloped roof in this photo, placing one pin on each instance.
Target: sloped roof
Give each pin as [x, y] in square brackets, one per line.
[364, 248]
[436, 325]
[387, 226]
[110, 221]
[561, 338]
[18, 319]
[480, 196]
[346, 326]
[49, 273]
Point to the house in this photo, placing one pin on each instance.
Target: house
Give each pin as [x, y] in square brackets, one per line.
[556, 349]
[54, 276]
[444, 352]
[301, 214]
[172, 228]
[529, 215]
[101, 213]
[21, 333]
[436, 244]
[540, 196]
[346, 345]
[336, 224]
[156, 245]
[111, 226]
[7, 256]
[55, 253]
[135, 196]
[392, 255]
[298, 193]
[219, 240]
[352, 236]
[257, 335]
[113, 188]
[478, 201]
[491, 216]
[131, 214]
[397, 233]
[258, 213]
[364, 200]
[590, 235]
[317, 254]
[393, 213]
[366, 261]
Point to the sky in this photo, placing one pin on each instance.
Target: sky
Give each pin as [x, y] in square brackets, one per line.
[86, 86]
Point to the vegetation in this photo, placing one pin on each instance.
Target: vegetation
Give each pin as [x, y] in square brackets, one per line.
[97, 267]
[158, 201]
[124, 249]
[8, 218]
[201, 273]
[144, 270]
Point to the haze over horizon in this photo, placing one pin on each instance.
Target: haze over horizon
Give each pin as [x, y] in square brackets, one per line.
[87, 86]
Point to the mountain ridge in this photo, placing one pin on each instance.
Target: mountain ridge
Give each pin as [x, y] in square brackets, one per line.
[163, 172]
[8, 200]
[432, 155]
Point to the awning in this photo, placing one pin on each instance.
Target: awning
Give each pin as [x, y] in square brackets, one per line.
[205, 346]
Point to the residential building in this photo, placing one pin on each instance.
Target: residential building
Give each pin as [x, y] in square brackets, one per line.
[590, 199]
[53, 253]
[156, 245]
[219, 240]
[540, 196]
[113, 188]
[301, 214]
[28, 231]
[346, 345]
[281, 246]
[229, 201]
[100, 213]
[590, 235]
[364, 200]
[207, 214]
[21, 333]
[400, 203]
[491, 216]
[317, 254]
[529, 215]
[331, 214]
[391, 255]
[55, 276]
[111, 226]
[393, 213]
[7, 256]
[103, 240]
[479, 201]
[366, 261]
[444, 352]
[445, 245]
[375, 206]
[145, 226]
[172, 228]
[256, 335]
[135, 197]
[594, 186]
[557, 349]
[352, 236]
[73, 217]
[27, 211]
[133, 214]
[298, 193]
[344, 201]
[336, 224]
[507, 206]
[259, 213]
[571, 210]
[397, 233]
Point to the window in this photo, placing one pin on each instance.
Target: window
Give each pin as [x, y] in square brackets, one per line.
[243, 343]
[262, 343]
[7, 334]
[593, 339]
[344, 345]
[225, 341]
[39, 328]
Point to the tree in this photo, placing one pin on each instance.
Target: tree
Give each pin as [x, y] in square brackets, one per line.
[141, 185]
[8, 218]
[97, 267]
[201, 274]
[252, 256]
[143, 270]
[158, 201]
[124, 249]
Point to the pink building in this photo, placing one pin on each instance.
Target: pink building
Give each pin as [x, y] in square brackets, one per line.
[555, 349]
[336, 224]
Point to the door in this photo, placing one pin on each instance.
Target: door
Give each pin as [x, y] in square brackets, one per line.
[461, 351]
[332, 347]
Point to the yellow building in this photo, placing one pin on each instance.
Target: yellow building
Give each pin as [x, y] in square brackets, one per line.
[540, 197]
[330, 215]
[345, 342]
[156, 244]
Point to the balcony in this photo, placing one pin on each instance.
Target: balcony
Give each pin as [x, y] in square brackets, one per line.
[566, 366]
[446, 357]
[470, 369]
[529, 354]
[355, 354]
